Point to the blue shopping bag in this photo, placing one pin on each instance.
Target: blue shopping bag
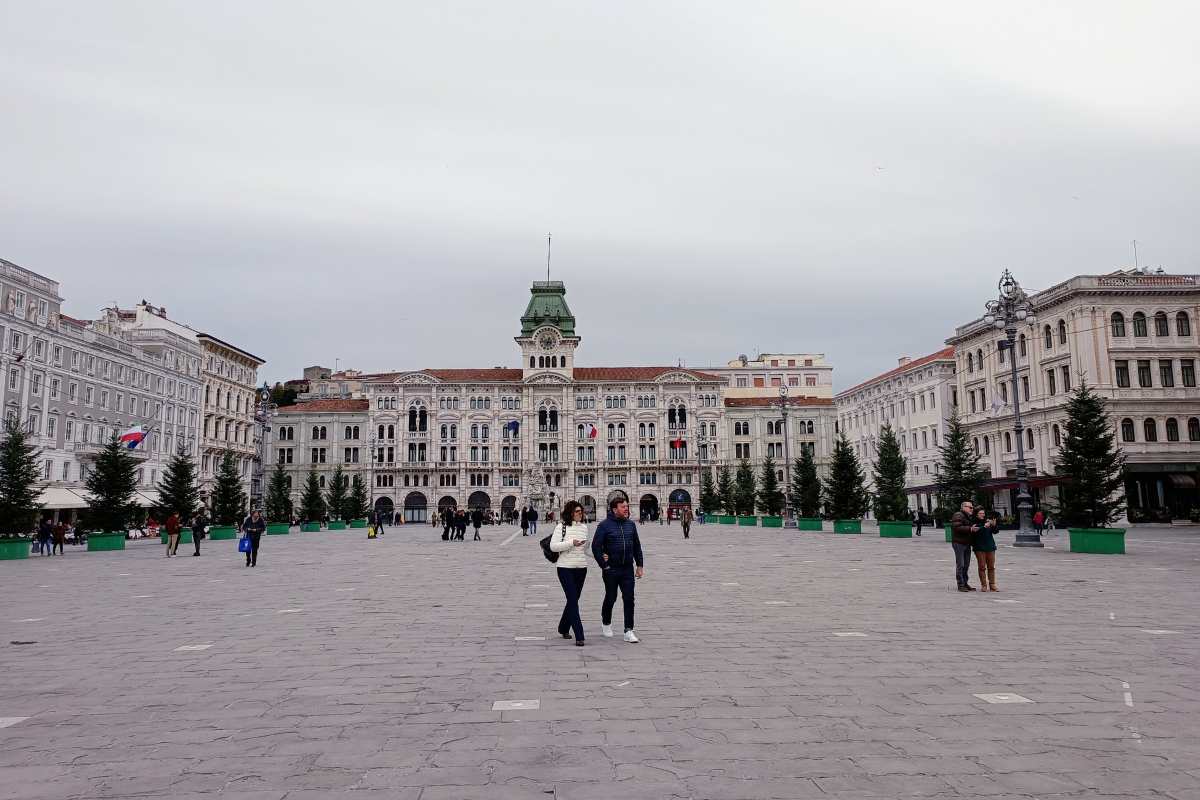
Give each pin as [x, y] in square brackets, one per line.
[244, 544]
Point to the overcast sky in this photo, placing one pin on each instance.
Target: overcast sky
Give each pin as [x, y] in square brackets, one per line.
[374, 182]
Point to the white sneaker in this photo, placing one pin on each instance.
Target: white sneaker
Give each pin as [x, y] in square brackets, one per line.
[606, 630]
[631, 637]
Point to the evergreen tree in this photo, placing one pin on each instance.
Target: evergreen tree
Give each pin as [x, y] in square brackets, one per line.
[279, 502]
[228, 497]
[745, 489]
[806, 487]
[891, 471]
[770, 496]
[725, 495]
[358, 505]
[312, 502]
[845, 489]
[111, 486]
[177, 490]
[282, 395]
[960, 476]
[19, 478]
[335, 495]
[1092, 495]
[710, 502]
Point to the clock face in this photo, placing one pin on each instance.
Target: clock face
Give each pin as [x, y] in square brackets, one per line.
[547, 341]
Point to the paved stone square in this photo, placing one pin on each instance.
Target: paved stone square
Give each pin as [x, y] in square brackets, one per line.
[773, 664]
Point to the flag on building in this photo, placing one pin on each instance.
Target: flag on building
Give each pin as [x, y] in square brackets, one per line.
[676, 443]
[512, 427]
[592, 431]
[133, 437]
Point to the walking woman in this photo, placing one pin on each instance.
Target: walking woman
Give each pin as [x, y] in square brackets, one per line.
[985, 550]
[524, 521]
[570, 540]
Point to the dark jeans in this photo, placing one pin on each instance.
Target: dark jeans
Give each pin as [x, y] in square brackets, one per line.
[572, 582]
[962, 562]
[476, 527]
[252, 556]
[56, 546]
[197, 535]
[615, 577]
[687, 528]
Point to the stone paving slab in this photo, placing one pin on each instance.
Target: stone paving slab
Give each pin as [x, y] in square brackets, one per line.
[379, 677]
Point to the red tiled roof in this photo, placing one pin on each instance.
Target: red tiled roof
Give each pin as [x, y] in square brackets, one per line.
[636, 373]
[326, 407]
[72, 320]
[946, 353]
[494, 375]
[763, 402]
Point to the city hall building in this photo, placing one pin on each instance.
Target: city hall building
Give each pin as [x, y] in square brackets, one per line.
[550, 430]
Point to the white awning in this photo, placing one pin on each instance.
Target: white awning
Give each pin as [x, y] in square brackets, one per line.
[58, 497]
[146, 498]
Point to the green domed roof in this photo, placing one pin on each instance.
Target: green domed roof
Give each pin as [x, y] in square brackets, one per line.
[548, 306]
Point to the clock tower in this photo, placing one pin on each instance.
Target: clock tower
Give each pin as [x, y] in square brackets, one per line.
[548, 339]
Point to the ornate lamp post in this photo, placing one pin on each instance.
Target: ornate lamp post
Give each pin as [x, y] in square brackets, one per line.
[1005, 313]
[373, 443]
[264, 411]
[789, 520]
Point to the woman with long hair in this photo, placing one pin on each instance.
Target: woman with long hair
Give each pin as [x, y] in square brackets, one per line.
[570, 541]
[984, 545]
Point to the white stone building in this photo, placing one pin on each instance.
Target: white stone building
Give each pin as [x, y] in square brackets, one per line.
[1133, 336]
[807, 374]
[915, 398]
[545, 432]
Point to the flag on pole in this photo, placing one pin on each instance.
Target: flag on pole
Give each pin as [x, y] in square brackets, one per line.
[592, 431]
[512, 427]
[133, 437]
[677, 443]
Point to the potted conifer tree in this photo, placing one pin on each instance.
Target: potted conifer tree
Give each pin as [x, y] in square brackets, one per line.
[19, 490]
[890, 500]
[228, 500]
[1092, 495]
[709, 501]
[806, 492]
[745, 493]
[278, 503]
[960, 476]
[178, 494]
[770, 496]
[312, 503]
[845, 489]
[335, 499]
[111, 486]
[726, 494]
[358, 505]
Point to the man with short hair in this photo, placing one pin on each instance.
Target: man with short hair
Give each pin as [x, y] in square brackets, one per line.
[533, 518]
[618, 550]
[962, 531]
[254, 526]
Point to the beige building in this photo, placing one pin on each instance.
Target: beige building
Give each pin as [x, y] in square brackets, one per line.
[806, 374]
[1133, 336]
[916, 398]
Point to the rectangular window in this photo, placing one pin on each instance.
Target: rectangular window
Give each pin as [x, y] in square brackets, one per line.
[741, 382]
[1187, 370]
[1050, 384]
[759, 383]
[1143, 367]
[1166, 373]
[1122, 372]
[1066, 379]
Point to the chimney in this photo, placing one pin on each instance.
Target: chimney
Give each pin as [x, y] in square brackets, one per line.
[904, 360]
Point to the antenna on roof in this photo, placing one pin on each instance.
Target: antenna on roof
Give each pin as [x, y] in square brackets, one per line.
[547, 258]
[1135, 258]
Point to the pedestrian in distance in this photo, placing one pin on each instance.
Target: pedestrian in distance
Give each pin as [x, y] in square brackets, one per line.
[378, 521]
[447, 521]
[984, 545]
[476, 521]
[524, 520]
[618, 550]
[174, 528]
[685, 520]
[460, 520]
[253, 527]
[962, 534]
[1039, 522]
[533, 521]
[60, 538]
[198, 525]
[569, 540]
[44, 534]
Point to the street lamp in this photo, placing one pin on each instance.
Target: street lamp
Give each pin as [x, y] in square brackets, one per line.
[1004, 314]
[789, 520]
[264, 411]
[373, 443]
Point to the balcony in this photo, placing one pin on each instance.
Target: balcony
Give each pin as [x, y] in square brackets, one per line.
[89, 450]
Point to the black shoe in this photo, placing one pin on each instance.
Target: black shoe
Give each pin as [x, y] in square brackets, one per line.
[964, 588]
[579, 642]
[970, 588]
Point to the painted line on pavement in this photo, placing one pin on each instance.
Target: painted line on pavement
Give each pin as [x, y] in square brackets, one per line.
[509, 539]
[529, 638]
[7, 722]
[32, 619]
[516, 705]
[289, 611]
[187, 648]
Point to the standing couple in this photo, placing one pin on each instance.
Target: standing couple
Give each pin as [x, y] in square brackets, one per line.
[617, 551]
[972, 528]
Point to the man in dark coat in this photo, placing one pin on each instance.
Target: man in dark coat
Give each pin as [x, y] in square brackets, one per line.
[618, 550]
[962, 532]
[476, 521]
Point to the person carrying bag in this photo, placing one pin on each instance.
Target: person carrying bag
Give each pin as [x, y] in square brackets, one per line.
[569, 543]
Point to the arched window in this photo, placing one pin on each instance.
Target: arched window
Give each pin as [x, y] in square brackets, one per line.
[681, 416]
[316, 431]
[1021, 348]
[1183, 324]
[1127, 430]
[1048, 338]
[1029, 438]
[651, 430]
[612, 431]
[543, 418]
[1150, 428]
[970, 362]
[641, 430]
[671, 417]
[620, 430]
[486, 433]
[1056, 436]
[1139, 324]
[1194, 429]
[1118, 325]
[1172, 429]
[1007, 442]
[348, 433]
[443, 431]
[810, 426]
[987, 446]
[554, 419]
[979, 359]
[453, 432]
[1161, 328]
[474, 431]
[579, 432]
[391, 432]
[1062, 331]
[412, 418]
[380, 436]
[541, 362]
[531, 362]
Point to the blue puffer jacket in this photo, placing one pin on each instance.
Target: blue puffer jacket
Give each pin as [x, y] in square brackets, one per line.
[618, 539]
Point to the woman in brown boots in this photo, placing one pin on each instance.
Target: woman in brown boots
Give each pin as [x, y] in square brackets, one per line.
[985, 550]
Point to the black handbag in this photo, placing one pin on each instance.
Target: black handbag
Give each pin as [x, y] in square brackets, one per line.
[550, 555]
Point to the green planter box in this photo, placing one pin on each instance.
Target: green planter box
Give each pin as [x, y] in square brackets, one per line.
[185, 536]
[106, 541]
[847, 526]
[895, 530]
[949, 533]
[15, 549]
[278, 528]
[218, 532]
[358, 523]
[337, 526]
[727, 519]
[772, 522]
[810, 524]
[310, 527]
[1097, 540]
[747, 521]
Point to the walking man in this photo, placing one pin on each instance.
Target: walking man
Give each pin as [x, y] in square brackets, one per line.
[533, 518]
[685, 519]
[476, 521]
[254, 527]
[197, 530]
[379, 517]
[919, 519]
[174, 528]
[962, 533]
[618, 550]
